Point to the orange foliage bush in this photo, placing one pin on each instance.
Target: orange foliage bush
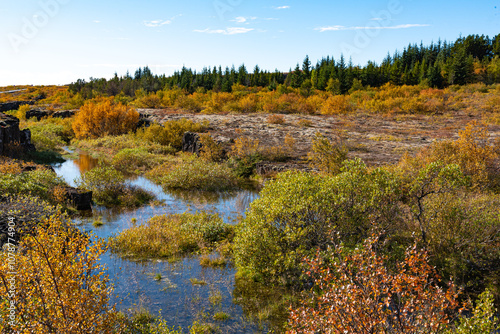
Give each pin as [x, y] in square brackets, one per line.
[275, 119]
[104, 117]
[358, 293]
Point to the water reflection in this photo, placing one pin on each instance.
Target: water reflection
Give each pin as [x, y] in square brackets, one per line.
[181, 303]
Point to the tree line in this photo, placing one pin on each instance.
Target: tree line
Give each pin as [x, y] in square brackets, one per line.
[467, 60]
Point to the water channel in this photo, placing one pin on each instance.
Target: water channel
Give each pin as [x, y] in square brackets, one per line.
[135, 287]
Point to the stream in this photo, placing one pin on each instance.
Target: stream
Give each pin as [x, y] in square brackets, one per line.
[135, 287]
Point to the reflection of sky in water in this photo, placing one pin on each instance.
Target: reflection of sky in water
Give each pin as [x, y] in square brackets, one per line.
[179, 301]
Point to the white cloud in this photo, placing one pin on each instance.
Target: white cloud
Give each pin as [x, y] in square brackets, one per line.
[97, 21]
[156, 23]
[242, 19]
[239, 19]
[282, 7]
[341, 28]
[227, 31]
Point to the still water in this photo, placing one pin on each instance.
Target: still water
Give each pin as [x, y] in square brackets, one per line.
[180, 302]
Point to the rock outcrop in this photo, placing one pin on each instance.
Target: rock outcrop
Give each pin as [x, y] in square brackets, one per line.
[13, 105]
[13, 142]
[80, 199]
[191, 143]
[38, 113]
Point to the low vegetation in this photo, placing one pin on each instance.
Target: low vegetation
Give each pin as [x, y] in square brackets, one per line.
[173, 236]
[109, 188]
[191, 173]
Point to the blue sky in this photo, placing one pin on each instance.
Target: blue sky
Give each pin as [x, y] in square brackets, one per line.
[59, 41]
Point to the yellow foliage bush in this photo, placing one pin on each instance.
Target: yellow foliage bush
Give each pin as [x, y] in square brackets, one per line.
[210, 149]
[337, 104]
[104, 117]
[244, 147]
[60, 287]
[471, 151]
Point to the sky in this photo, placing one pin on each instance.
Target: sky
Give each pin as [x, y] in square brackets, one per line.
[56, 42]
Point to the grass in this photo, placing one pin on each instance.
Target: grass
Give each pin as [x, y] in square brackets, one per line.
[195, 281]
[172, 236]
[221, 316]
[192, 173]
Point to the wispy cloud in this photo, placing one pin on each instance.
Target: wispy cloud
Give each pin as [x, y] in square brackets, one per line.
[242, 19]
[97, 21]
[157, 23]
[282, 7]
[227, 31]
[342, 28]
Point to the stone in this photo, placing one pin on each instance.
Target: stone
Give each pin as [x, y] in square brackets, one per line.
[13, 142]
[14, 105]
[38, 113]
[191, 143]
[63, 114]
[81, 200]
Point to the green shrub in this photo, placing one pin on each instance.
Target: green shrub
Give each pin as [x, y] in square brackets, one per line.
[297, 211]
[40, 183]
[173, 235]
[192, 173]
[108, 188]
[50, 134]
[327, 156]
[483, 319]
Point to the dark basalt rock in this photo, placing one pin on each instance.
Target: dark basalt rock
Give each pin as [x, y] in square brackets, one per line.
[81, 200]
[13, 142]
[38, 113]
[191, 143]
[63, 114]
[13, 105]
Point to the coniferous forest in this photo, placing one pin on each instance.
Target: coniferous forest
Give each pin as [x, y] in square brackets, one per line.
[469, 59]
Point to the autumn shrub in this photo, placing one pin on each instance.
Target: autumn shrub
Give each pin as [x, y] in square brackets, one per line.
[171, 236]
[9, 166]
[61, 287]
[171, 132]
[217, 102]
[244, 155]
[27, 212]
[326, 155]
[297, 211]
[337, 104]
[104, 117]
[148, 101]
[477, 158]
[368, 293]
[193, 173]
[109, 188]
[248, 104]
[275, 119]
[279, 153]
[210, 149]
